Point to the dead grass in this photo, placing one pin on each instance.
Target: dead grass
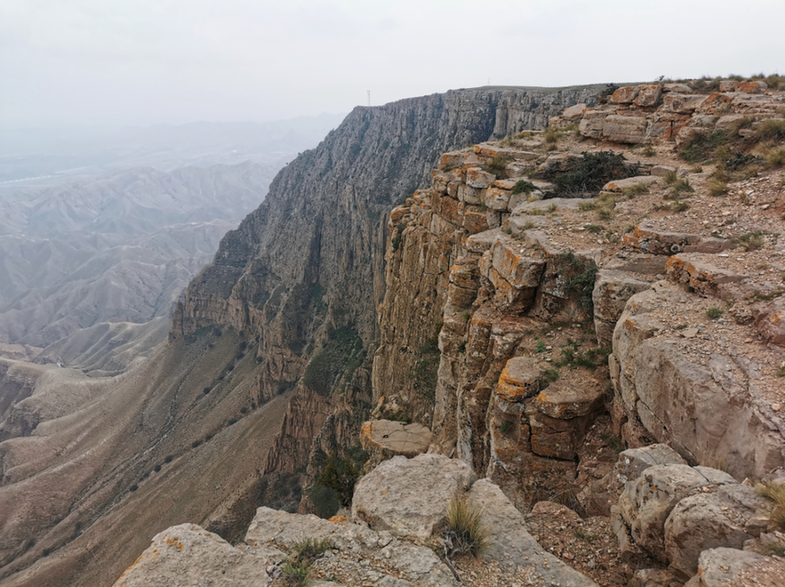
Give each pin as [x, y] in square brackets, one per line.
[465, 534]
[776, 493]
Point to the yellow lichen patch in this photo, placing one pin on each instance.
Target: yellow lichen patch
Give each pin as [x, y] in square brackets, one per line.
[338, 520]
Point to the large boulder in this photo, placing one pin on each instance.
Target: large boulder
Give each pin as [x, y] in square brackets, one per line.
[189, 556]
[646, 503]
[511, 544]
[728, 567]
[409, 497]
[726, 517]
[384, 439]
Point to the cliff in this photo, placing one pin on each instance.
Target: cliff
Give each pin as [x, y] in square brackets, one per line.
[188, 435]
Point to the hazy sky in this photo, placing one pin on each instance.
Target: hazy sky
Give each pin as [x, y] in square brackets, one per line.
[76, 62]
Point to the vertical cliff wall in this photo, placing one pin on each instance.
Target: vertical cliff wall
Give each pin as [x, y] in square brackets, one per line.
[309, 263]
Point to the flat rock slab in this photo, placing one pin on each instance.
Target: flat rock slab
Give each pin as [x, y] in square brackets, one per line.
[619, 185]
[385, 439]
[726, 517]
[511, 544]
[728, 567]
[189, 556]
[409, 497]
[634, 461]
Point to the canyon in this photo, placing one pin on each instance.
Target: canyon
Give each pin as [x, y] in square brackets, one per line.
[576, 313]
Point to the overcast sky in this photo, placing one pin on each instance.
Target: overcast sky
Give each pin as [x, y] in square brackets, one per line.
[92, 62]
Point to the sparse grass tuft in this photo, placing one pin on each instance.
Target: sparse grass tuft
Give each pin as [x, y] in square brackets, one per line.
[713, 313]
[635, 190]
[681, 186]
[671, 177]
[586, 206]
[701, 146]
[771, 130]
[551, 374]
[309, 549]
[750, 241]
[594, 228]
[717, 187]
[295, 574]
[776, 493]
[648, 151]
[465, 532]
[775, 157]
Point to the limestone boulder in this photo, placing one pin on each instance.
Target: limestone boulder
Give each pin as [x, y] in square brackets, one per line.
[592, 123]
[512, 545]
[624, 129]
[648, 95]
[478, 178]
[285, 529]
[521, 378]
[574, 112]
[518, 269]
[682, 103]
[625, 95]
[728, 567]
[646, 503]
[384, 439]
[700, 273]
[726, 517]
[770, 320]
[634, 461]
[619, 185]
[409, 497]
[189, 556]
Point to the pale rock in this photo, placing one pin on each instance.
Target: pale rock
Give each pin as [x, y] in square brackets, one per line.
[676, 88]
[478, 179]
[611, 291]
[721, 567]
[682, 103]
[726, 517]
[625, 95]
[384, 439]
[648, 95]
[269, 525]
[189, 556]
[592, 123]
[619, 185]
[409, 497]
[634, 461]
[574, 112]
[647, 502]
[770, 320]
[511, 544]
[624, 129]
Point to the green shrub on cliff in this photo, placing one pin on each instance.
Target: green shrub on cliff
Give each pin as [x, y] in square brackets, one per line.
[588, 173]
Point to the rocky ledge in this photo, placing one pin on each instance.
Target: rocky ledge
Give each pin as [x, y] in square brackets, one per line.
[392, 539]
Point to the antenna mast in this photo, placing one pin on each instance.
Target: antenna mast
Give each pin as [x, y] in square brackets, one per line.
[369, 97]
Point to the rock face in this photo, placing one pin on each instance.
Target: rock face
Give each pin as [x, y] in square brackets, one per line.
[687, 404]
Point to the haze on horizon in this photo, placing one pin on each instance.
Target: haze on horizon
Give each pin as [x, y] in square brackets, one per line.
[141, 62]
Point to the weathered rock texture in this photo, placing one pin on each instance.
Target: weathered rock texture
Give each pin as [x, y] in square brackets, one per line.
[675, 512]
[187, 556]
